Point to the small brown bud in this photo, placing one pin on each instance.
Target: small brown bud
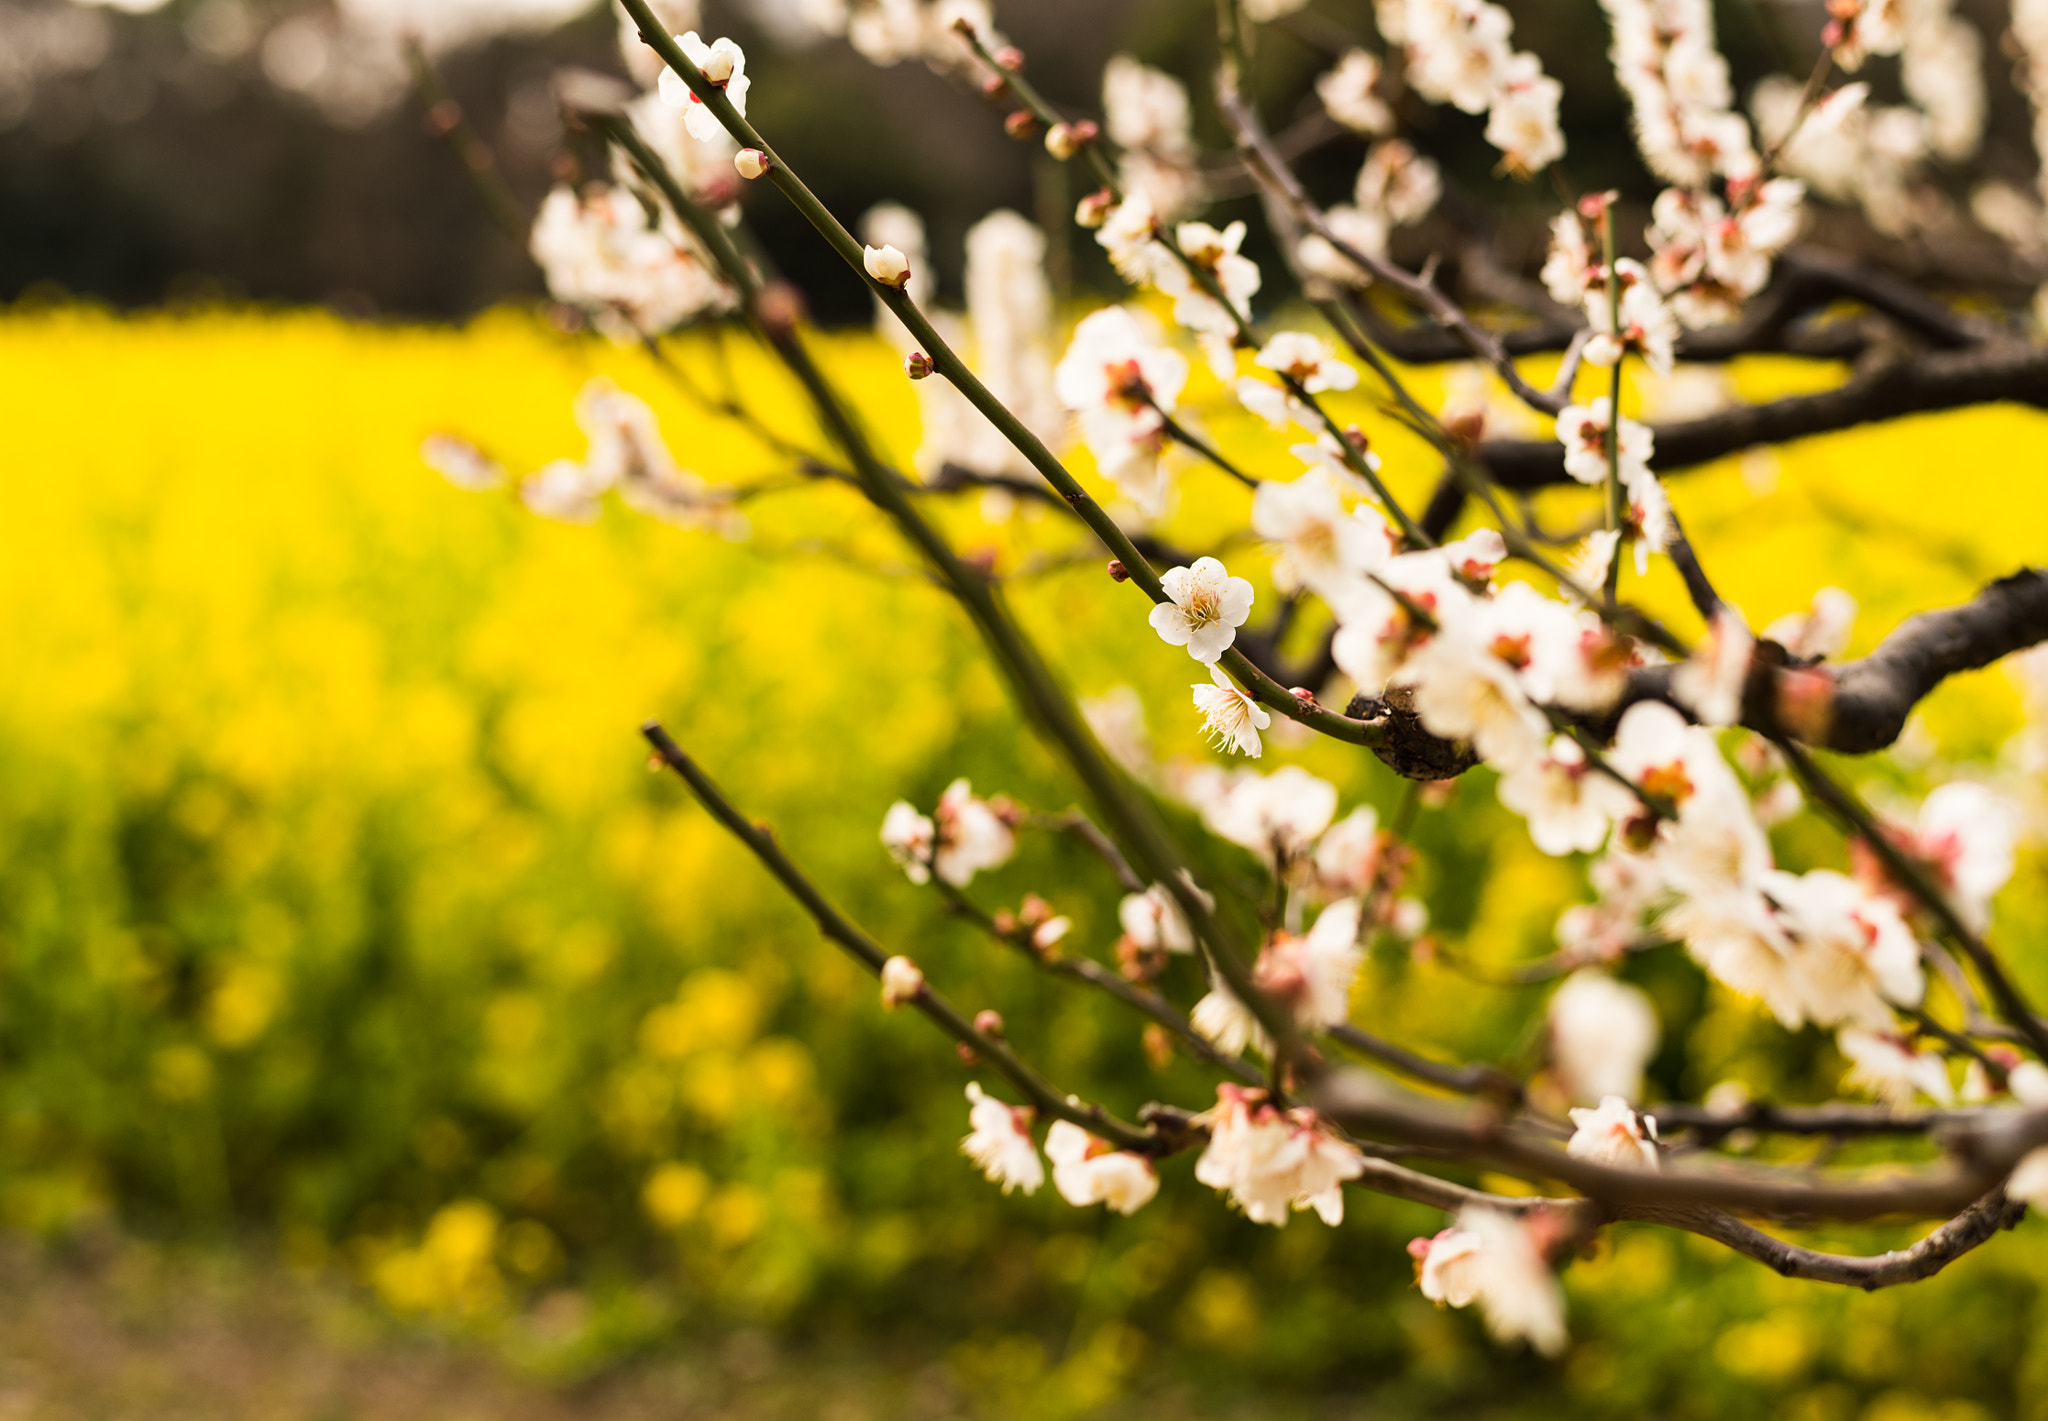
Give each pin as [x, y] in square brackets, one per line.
[1118, 572]
[989, 1023]
[779, 307]
[1007, 810]
[1639, 832]
[968, 1055]
[1006, 922]
[1034, 909]
[1094, 209]
[1158, 1046]
[1021, 124]
[995, 86]
[442, 118]
[917, 365]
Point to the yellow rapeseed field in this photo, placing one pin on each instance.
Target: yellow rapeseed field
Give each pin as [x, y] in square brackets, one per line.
[335, 895]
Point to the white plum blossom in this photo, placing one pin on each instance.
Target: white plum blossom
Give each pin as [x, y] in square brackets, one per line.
[999, 1141]
[598, 250]
[1647, 325]
[1523, 120]
[1348, 96]
[1602, 1034]
[724, 66]
[1967, 835]
[1583, 430]
[1613, 1135]
[1819, 634]
[461, 463]
[971, 836]
[1348, 856]
[1208, 607]
[1313, 974]
[1273, 1162]
[1232, 718]
[1568, 804]
[1153, 919]
[1378, 634]
[1278, 815]
[1121, 382]
[1321, 546]
[1856, 957]
[902, 981]
[1307, 360]
[1572, 266]
[1087, 1170]
[1493, 1259]
[1223, 1020]
[1889, 1068]
[909, 836]
[1710, 681]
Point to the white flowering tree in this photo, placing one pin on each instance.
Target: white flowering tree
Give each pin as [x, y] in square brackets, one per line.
[1612, 737]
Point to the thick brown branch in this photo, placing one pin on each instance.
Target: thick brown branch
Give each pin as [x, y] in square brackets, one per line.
[1973, 1226]
[1981, 1154]
[1934, 380]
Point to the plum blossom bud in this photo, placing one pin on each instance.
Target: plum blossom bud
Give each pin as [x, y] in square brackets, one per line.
[1008, 58]
[902, 981]
[751, 162]
[989, 1023]
[1117, 571]
[1094, 209]
[886, 265]
[1021, 124]
[995, 86]
[917, 365]
[1064, 140]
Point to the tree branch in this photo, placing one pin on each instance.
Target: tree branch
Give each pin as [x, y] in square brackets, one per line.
[841, 930]
[1934, 380]
[1974, 1226]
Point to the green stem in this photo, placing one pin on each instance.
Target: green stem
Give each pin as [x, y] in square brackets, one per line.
[1617, 502]
[841, 930]
[1043, 699]
[947, 362]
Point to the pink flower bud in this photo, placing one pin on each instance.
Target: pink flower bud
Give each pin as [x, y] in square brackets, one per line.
[902, 981]
[917, 365]
[1011, 58]
[989, 1023]
[751, 162]
[1117, 571]
[1095, 208]
[1021, 124]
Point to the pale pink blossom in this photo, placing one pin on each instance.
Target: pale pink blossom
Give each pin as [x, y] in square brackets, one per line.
[1583, 430]
[1347, 858]
[1710, 681]
[1348, 93]
[1120, 381]
[1272, 1162]
[1614, 1135]
[1321, 546]
[1087, 1170]
[1967, 834]
[1856, 957]
[1312, 975]
[1889, 1068]
[1493, 1259]
[1568, 804]
[999, 1141]
[1602, 1034]
[1153, 919]
[1819, 634]
[1278, 815]
[971, 836]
